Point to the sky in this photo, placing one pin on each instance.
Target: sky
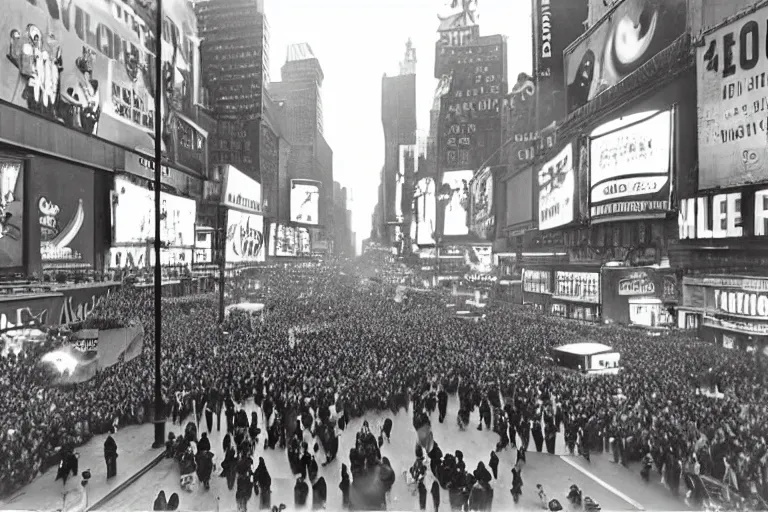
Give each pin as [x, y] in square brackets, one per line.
[357, 42]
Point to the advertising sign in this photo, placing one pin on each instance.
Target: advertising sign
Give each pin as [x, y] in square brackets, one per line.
[305, 201]
[284, 240]
[11, 213]
[482, 215]
[577, 286]
[557, 189]
[742, 214]
[556, 24]
[89, 64]
[470, 113]
[618, 45]
[62, 201]
[630, 166]
[245, 237]
[537, 281]
[453, 199]
[133, 216]
[425, 211]
[519, 195]
[240, 191]
[730, 71]
[303, 241]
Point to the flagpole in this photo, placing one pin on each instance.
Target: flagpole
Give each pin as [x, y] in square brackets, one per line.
[158, 288]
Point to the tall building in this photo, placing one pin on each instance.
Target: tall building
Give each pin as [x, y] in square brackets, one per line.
[398, 119]
[310, 159]
[235, 64]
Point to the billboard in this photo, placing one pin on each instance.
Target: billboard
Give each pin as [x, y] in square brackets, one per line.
[577, 286]
[556, 24]
[470, 113]
[425, 211]
[245, 237]
[730, 84]
[133, 216]
[631, 166]
[89, 64]
[520, 198]
[303, 242]
[11, 213]
[618, 45]
[283, 240]
[240, 191]
[62, 200]
[305, 201]
[557, 190]
[482, 215]
[453, 199]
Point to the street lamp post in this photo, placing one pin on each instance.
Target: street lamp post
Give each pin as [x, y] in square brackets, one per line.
[158, 288]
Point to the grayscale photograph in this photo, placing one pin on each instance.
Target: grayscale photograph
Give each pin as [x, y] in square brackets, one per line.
[404, 255]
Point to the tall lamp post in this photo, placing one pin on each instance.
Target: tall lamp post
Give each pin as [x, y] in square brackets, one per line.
[159, 405]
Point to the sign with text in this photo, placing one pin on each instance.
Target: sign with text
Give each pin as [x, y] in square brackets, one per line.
[618, 45]
[89, 64]
[727, 215]
[305, 201]
[731, 69]
[11, 213]
[240, 191]
[577, 286]
[470, 113]
[630, 166]
[637, 283]
[557, 188]
[63, 203]
[284, 240]
[245, 237]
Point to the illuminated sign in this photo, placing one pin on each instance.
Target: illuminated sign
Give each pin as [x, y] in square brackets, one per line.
[245, 237]
[637, 283]
[537, 281]
[578, 286]
[305, 201]
[556, 190]
[742, 303]
[240, 191]
[454, 201]
[630, 166]
[720, 216]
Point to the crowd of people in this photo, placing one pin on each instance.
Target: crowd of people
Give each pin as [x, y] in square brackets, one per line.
[359, 350]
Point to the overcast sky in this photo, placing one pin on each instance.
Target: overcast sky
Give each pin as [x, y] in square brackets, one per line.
[357, 41]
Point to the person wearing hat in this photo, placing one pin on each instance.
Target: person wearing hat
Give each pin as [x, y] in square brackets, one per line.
[110, 455]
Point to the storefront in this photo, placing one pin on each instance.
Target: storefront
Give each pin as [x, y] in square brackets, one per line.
[730, 310]
[537, 288]
[643, 296]
[133, 225]
[576, 295]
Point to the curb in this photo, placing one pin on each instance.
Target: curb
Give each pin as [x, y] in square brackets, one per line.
[130, 481]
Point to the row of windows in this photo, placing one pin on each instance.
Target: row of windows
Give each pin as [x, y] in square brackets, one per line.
[230, 157]
[236, 55]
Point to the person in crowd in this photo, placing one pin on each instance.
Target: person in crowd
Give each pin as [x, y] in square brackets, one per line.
[110, 455]
[319, 494]
[344, 486]
[300, 492]
[435, 495]
[161, 503]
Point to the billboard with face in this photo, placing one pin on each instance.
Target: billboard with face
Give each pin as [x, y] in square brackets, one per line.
[89, 64]
[618, 45]
[11, 213]
[305, 201]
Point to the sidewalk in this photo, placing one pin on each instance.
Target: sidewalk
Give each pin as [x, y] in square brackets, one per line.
[134, 448]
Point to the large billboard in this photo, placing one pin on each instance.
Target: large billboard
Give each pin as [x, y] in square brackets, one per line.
[631, 163]
[133, 216]
[557, 190]
[482, 214]
[240, 191]
[11, 213]
[556, 24]
[618, 45]
[283, 240]
[519, 196]
[425, 211]
[89, 64]
[62, 200]
[245, 237]
[470, 113]
[453, 201]
[305, 201]
[730, 68]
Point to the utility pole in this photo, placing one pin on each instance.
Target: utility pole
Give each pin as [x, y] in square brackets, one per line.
[158, 288]
[221, 250]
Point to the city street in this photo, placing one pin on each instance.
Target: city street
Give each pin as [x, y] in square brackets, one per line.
[613, 487]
